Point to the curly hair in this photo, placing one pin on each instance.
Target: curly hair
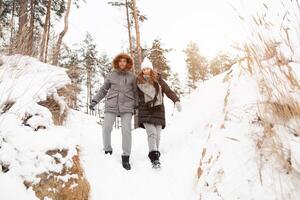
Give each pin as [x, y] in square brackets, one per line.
[123, 56]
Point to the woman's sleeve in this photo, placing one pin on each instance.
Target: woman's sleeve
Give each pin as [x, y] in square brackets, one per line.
[102, 91]
[167, 90]
[135, 90]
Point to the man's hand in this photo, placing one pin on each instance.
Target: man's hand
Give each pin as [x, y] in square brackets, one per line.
[92, 105]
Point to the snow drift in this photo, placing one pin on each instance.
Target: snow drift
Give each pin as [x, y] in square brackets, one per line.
[237, 138]
[249, 124]
[38, 158]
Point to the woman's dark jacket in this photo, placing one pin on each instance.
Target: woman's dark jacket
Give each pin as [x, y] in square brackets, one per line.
[154, 115]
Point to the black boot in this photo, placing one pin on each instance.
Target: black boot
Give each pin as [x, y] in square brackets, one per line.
[108, 152]
[154, 158]
[158, 154]
[125, 162]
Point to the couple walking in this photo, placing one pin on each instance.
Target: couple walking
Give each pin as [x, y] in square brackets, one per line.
[124, 93]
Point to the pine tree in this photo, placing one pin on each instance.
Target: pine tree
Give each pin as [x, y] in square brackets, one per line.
[104, 65]
[102, 70]
[158, 58]
[22, 21]
[196, 65]
[71, 61]
[220, 63]
[7, 16]
[90, 63]
[175, 84]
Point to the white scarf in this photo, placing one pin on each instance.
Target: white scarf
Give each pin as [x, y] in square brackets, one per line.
[149, 93]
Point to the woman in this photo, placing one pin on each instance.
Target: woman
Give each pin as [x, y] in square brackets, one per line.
[120, 91]
[151, 110]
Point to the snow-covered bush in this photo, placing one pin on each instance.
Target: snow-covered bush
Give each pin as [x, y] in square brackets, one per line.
[34, 148]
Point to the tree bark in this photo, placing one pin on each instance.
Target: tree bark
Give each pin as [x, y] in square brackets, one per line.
[1, 4]
[12, 28]
[138, 39]
[62, 34]
[31, 28]
[23, 18]
[129, 32]
[47, 42]
[22, 15]
[88, 85]
[46, 29]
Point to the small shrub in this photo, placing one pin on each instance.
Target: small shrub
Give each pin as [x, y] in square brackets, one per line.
[55, 110]
[7, 106]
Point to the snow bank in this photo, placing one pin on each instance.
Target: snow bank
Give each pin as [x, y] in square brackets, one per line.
[28, 136]
[239, 158]
[13, 188]
[224, 145]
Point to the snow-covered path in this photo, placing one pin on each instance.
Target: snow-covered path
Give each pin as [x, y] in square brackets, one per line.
[110, 181]
[180, 148]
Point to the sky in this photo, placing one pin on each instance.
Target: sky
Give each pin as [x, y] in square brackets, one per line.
[213, 24]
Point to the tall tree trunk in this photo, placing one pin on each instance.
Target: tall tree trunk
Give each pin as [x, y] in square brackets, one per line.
[87, 98]
[12, 28]
[90, 94]
[46, 27]
[1, 8]
[31, 27]
[129, 32]
[22, 14]
[137, 66]
[88, 87]
[138, 39]
[47, 42]
[62, 34]
[22, 27]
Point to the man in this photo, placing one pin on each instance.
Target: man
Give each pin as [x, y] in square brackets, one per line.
[120, 91]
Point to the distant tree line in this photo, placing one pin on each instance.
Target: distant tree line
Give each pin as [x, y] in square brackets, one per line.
[27, 27]
[199, 68]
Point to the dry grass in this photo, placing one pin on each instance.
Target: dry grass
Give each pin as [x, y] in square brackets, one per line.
[227, 79]
[52, 186]
[58, 115]
[55, 110]
[70, 92]
[279, 109]
[7, 106]
[277, 83]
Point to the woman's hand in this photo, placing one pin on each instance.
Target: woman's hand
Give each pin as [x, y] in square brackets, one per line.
[178, 106]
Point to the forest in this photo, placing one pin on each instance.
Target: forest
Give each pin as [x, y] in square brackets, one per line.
[151, 100]
[28, 28]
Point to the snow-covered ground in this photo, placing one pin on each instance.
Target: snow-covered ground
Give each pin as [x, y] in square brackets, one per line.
[209, 150]
[176, 180]
[27, 130]
[217, 131]
[25, 81]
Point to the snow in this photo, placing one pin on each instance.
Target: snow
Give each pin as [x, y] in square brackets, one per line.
[232, 167]
[219, 118]
[110, 181]
[26, 81]
[209, 150]
[13, 188]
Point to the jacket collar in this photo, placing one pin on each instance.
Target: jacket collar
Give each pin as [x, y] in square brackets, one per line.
[122, 72]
